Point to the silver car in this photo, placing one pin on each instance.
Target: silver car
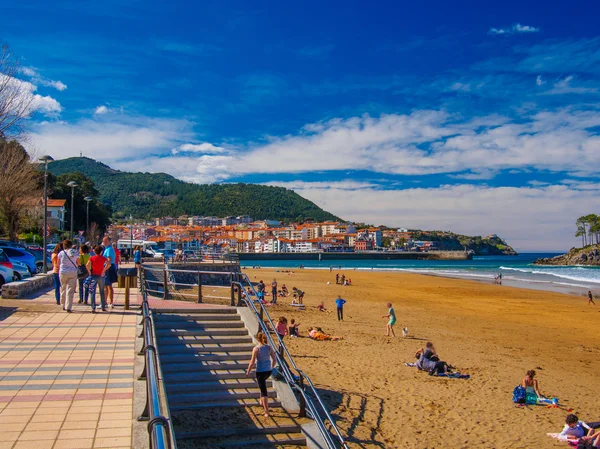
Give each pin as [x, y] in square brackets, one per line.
[20, 270]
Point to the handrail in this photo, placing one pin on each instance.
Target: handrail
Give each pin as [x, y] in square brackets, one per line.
[301, 373]
[160, 429]
[308, 393]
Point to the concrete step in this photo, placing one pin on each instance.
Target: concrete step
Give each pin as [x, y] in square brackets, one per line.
[263, 441]
[196, 312]
[212, 385]
[213, 375]
[233, 431]
[191, 348]
[193, 319]
[216, 396]
[240, 357]
[197, 332]
[203, 366]
[198, 324]
[241, 403]
[199, 339]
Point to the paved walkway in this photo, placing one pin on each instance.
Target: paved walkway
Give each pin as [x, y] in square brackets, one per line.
[66, 380]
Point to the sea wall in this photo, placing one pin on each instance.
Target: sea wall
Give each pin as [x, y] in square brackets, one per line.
[27, 287]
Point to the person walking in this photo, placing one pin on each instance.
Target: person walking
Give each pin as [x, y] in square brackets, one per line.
[55, 267]
[117, 256]
[274, 291]
[97, 266]
[337, 278]
[264, 358]
[392, 320]
[590, 298]
[137, 257]
[84, 256]
[67, 272]
[111, 273]
[339, 302]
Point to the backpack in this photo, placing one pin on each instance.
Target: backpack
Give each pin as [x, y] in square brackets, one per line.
[519, 395]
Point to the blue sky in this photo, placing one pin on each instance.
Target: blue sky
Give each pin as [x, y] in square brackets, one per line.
[479, 119]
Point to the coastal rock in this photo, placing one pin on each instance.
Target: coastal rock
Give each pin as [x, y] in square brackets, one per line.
[589, 256]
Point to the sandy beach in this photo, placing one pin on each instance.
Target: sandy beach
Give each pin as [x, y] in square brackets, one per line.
[494, 333]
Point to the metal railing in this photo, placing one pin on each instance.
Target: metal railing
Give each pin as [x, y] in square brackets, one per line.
[309, 399]
[160, 429]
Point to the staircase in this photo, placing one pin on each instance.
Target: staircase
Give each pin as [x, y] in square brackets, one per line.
[204, 354]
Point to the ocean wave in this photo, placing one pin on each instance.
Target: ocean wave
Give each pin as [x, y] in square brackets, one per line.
[559, 274]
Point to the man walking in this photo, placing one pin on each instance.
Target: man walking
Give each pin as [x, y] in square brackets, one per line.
[339, 302]
[274, 291]
[590, 298]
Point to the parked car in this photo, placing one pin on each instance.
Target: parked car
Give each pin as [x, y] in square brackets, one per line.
[20, 270]
[22, 255]
[6, 269]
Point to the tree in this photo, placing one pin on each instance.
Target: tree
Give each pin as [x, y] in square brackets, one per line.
[17, 101]
[98, 213]
[19, 186]
[581, 233]
[582, 224]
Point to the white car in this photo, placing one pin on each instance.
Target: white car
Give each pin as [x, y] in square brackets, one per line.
[21, 271]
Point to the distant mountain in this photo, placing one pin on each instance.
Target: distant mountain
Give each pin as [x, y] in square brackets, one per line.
[148, 195]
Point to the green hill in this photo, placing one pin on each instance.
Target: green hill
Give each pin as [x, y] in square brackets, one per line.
[148, 195]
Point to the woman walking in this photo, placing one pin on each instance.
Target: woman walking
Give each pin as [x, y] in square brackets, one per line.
[55, 267]
[97, 266]
[137, 257]
[67, 272]
[82, 260]
[262, 355]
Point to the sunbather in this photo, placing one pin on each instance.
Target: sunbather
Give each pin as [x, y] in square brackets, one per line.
[318, 334]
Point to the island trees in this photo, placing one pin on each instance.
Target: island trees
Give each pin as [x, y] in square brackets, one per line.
[588, 226]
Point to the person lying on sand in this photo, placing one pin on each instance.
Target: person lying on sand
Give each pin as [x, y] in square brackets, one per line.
[593, 437]
[321, 308]
[429, 361]
[316, 333]
[575, 429]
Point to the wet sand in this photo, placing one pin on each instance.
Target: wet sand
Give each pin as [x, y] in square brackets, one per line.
[494, 333]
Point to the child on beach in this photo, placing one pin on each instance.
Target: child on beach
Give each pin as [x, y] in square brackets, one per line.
[298, 295]
[339, 302]
[281, 327]
[294, 328]
[392, 320]
[321, 308]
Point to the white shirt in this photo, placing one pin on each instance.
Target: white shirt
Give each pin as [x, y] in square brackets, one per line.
[67, 261]
[577, 432]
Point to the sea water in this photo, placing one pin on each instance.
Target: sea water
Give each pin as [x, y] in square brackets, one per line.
[516, 270]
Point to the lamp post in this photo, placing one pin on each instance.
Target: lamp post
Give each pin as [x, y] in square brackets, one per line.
[45, 159]
[87, 217]
[72, 184]
[130, 236]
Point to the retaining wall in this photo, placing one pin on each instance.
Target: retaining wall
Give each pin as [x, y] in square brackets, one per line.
[27, 287]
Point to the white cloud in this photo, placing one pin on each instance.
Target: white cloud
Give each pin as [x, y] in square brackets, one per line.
[530, 218]
[102, 109]
[28, 100]
[564, 82]
[40, 80]
[131, 138]
[203, 148]
[516, 28]
[539, 81]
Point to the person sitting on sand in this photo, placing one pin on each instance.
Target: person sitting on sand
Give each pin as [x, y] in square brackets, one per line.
[392, 320]
[592, 437]
[285, 290]
[429, 361]
[321, 308]
[574, 429]
[531, 386]
[316, 333]
[294, 328]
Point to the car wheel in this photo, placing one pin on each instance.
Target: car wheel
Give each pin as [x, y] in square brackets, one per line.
[2, 282]
[17, 276]
[38, 268]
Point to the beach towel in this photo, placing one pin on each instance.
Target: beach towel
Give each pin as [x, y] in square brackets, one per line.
[453, 375]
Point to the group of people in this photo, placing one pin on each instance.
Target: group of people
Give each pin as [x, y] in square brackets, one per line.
[90, 268]
[341, 280]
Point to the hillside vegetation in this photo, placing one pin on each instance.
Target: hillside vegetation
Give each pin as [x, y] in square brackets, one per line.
[149, 195]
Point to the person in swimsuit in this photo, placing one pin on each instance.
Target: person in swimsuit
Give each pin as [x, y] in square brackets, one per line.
[531, 386]
[264, 357]
[392, 320]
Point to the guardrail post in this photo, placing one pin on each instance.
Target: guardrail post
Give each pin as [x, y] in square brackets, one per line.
[199, 287]
[240, 288]
[302, 412]
[165, 285]
[232, 294]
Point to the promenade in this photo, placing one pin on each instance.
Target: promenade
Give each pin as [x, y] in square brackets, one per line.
[66, 380]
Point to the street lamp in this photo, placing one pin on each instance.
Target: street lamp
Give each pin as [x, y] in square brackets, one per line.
[130, 236]
[87, 218]
[45, 159]
[72, 184]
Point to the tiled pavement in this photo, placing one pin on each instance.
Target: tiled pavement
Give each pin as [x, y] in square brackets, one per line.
[66, 380]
